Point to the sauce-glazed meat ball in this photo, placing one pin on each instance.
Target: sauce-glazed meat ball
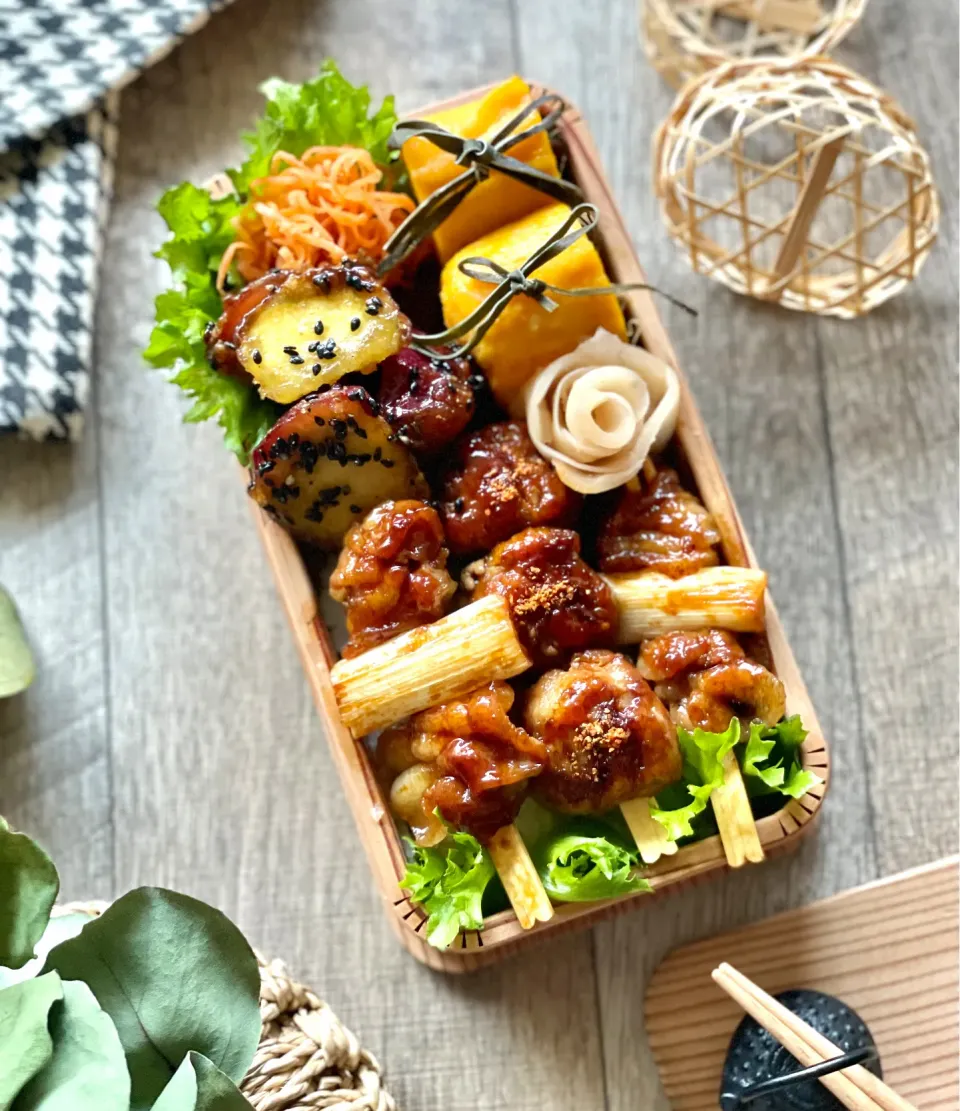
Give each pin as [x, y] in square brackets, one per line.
[465, 759]
[391, 575]
[499, 485]
[428, 402]
[558, 603]
[608, 737]
[660, 528]
[707, 680]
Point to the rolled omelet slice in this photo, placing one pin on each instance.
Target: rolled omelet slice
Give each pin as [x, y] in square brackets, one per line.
[526, 337]
[499, 199]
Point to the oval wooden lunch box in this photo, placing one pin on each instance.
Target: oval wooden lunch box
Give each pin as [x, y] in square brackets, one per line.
[502, 934]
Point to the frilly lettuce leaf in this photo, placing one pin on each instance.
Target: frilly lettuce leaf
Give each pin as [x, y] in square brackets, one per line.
[449, 881]
[583, 860]
[327, 110]
[771, 760]
[703, 755]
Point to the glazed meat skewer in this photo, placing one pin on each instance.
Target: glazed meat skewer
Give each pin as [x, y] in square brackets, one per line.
[464, 757]
[467, 761]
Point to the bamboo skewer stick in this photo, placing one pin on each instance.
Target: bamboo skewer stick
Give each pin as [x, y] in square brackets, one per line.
[650, 836]
[519, 877]
[855, 1087]
[715, 598]
[731, 808]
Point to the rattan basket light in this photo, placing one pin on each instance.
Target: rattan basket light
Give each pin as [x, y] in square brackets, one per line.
[686, 38]
[800, 183]
[307, 1060]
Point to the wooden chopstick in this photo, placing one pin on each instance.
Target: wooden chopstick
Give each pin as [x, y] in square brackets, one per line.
[855, 1087]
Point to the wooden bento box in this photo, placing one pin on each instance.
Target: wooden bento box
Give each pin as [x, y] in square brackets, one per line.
[379, 835]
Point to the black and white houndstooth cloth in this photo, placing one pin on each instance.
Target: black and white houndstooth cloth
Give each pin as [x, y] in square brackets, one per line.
[62, 63]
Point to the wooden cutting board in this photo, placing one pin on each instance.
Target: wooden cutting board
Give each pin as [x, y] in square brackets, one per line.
[889, 949]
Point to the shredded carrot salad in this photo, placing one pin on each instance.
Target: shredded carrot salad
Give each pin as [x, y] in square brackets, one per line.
[321, 207]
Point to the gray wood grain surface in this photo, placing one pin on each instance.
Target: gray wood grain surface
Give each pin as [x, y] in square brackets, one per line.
[170, 737]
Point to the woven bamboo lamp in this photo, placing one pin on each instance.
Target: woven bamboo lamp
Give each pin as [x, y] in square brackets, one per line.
[800, 183]
[686, 38]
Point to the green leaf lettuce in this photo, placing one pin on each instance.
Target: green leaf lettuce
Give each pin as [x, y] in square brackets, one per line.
[772, 762]
[703, 753]
[327, 110]
[582, 861]
[449, 881]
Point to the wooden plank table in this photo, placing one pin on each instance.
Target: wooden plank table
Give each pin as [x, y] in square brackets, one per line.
[170, 737]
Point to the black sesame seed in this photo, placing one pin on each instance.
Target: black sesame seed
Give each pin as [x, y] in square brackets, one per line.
[355, 509]
[339, 428]
[356, 394]
[354, 323]
[319, 421]
[476, 381]
[361, 432]
[336, 450]
[387, 463]
[256, 356]
[296, 360]
[374, 407]
[290, 350]
[322, 281]
[316, 368]
[376, 455]
[273, 511]
[392, 438]
[373, 306]
[318, 327]
[345, 491]
[265, 466]
[458, 505]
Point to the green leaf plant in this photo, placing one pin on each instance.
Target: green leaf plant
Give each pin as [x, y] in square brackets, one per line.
[153, 1006]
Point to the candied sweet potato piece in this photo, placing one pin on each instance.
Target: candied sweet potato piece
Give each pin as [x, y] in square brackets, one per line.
[328, 461]
[302, 331]
[499, 485]
[392, 573]
[558, 603]
[428, 402]
[608, 737]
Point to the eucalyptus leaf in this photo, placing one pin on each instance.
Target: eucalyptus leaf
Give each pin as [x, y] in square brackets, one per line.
[25, 1042]
[28, 888]
[59, 928]
[198, 1085]
[88, 1069]
[174, 975]
[17, 668]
